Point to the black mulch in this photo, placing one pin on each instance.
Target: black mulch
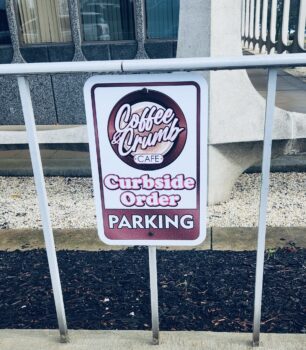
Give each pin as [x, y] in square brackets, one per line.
[198, 290]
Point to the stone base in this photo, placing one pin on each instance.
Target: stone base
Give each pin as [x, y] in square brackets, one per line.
[226, 162]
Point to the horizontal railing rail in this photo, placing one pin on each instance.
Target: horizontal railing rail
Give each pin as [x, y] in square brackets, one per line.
[156, 65]
[138, 66]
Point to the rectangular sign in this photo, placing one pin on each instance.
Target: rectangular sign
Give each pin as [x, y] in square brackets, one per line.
[148, 150]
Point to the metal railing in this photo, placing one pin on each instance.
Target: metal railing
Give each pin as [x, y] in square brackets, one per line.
[274, 26]
[137, 66]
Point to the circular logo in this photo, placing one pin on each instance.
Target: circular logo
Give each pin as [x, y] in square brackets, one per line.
[147, 129]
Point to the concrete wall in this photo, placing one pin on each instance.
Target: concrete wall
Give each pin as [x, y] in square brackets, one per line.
[236, 110]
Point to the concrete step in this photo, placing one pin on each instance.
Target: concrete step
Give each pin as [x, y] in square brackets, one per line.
[11, 339]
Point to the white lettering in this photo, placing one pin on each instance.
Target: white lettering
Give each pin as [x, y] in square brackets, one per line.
[112, 220]
[124, 222]
[151, 221]
[187, 221]
[129, 127]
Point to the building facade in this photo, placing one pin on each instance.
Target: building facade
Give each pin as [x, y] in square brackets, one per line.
[76, 30]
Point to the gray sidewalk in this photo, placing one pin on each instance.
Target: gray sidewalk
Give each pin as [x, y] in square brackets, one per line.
[141, 340]
[291, 91]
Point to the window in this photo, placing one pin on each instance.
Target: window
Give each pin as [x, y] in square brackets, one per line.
[4, 30]
[44, 21]
[162, 19]
[107, 20]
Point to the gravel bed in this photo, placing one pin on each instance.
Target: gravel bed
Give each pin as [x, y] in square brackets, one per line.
[286, 207]
[71, 202]
[198, 290]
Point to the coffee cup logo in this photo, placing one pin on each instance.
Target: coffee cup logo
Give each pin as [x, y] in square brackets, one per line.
[147, 129]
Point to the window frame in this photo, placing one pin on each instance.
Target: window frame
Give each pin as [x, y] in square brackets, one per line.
[154, 40]
[47, 43]
[105, 42]
[5, 45]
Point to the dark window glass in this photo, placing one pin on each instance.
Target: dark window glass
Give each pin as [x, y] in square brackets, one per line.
[44, 21]
[4, 30]
[107, 20]
[162, 18]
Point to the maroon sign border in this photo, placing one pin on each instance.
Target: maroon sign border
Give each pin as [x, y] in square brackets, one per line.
[137, 235]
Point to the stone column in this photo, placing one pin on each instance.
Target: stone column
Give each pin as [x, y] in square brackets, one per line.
[13, 27]
[140, 29]
[76, 30]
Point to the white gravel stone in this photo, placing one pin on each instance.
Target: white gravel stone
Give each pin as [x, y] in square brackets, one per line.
[71, 202]
[286, 205]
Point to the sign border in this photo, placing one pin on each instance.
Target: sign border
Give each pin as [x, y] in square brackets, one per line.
[148, 80]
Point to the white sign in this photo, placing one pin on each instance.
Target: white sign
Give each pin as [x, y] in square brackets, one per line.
[148, 150]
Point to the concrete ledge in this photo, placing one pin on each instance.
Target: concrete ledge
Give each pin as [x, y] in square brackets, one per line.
[218, 238]
[141, 340]
[65, 162]
[68, 239]
[245, 238]
[16, 134]
[284, 164]
[56, 162]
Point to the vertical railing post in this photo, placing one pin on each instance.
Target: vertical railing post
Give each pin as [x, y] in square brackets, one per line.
[257, 25]
[154, 294]
[266, 162]
[285, 22]
[28, 115]
[264, 25]
[301, 25]
[247, 22]
[272, 29]
[243, 21]
[252, 20]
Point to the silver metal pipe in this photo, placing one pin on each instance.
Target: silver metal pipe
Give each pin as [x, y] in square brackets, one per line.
[28, 114]
[154, 294]
[157, 65]
[266, 162]
[214, 63]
